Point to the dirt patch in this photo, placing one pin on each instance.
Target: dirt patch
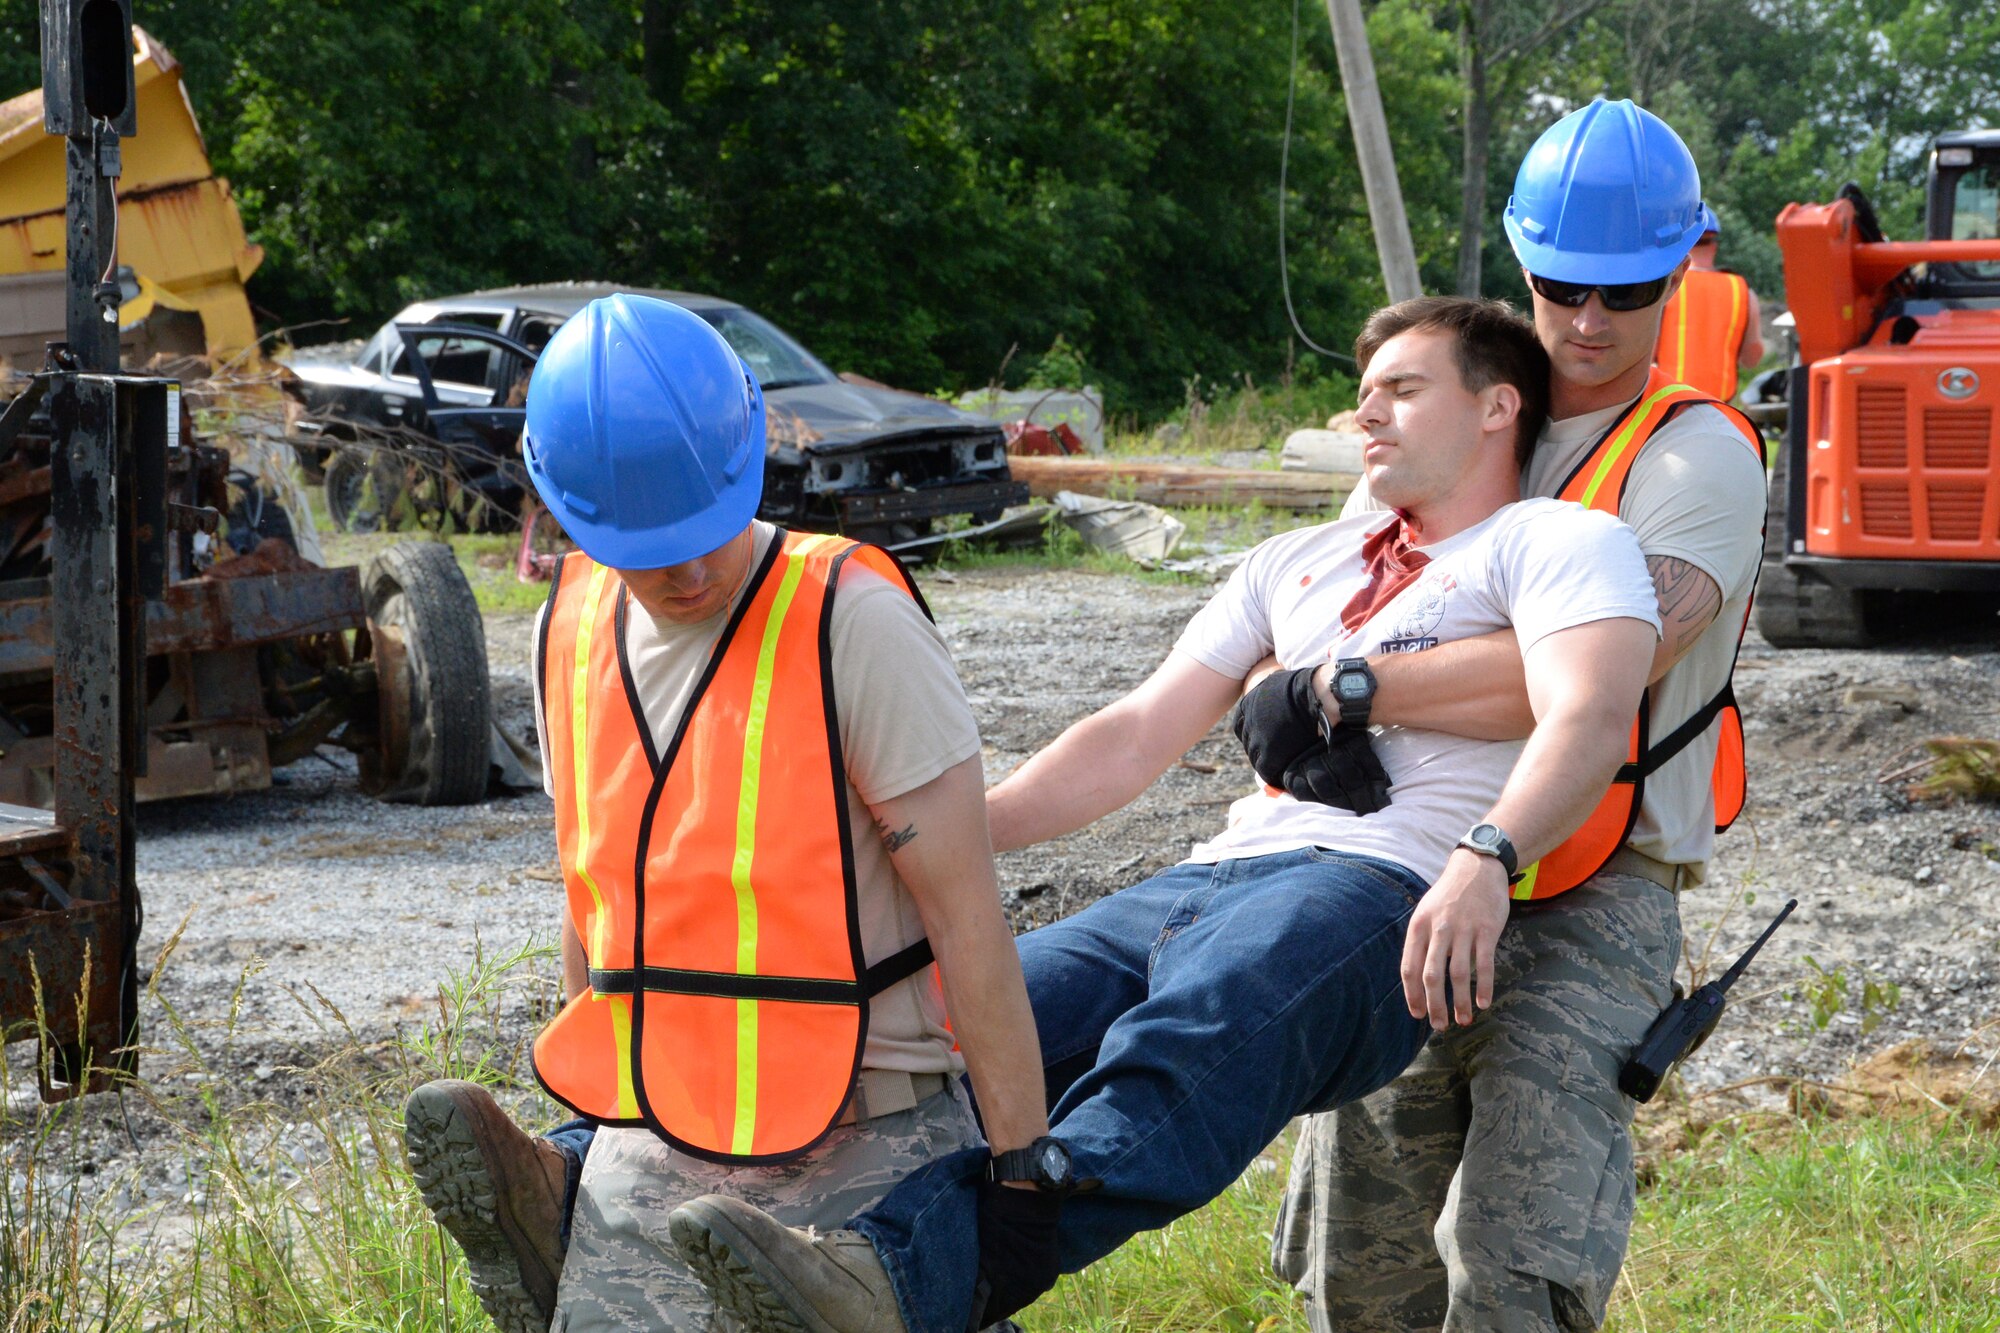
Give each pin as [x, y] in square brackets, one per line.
[317, 919]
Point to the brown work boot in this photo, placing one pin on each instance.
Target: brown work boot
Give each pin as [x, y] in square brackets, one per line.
[498, 1191]
[779, 1279]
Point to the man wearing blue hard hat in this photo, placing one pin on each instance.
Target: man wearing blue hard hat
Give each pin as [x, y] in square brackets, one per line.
[1713, 328]
[1491, 1186]
[726, 710]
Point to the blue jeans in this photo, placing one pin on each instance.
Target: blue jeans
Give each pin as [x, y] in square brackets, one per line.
[1183, 1022]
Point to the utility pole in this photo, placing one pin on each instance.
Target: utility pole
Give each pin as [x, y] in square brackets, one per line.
[1371, 146]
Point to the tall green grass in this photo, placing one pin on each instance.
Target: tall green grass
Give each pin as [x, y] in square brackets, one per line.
[1872, 1223]
[302, 1218]
[299, 1219]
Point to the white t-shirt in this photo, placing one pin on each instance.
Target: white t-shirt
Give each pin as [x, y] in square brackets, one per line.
[1538, 566]
[904, 720]
[1695, 493]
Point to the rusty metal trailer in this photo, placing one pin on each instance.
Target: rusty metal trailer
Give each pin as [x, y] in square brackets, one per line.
[130, 660]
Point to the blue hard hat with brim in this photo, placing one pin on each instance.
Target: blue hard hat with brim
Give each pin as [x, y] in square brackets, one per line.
[1608, 194]
[645, 433]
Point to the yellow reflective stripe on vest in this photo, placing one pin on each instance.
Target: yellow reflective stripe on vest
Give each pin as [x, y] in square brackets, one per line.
[1681, 331]
[744, 1131]
[579, 726]
[1623, 441]
[1526, 888]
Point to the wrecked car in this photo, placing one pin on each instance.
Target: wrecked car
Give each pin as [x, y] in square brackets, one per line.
[845, 454]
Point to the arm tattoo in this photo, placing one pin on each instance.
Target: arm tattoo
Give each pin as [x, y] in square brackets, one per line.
[894, 840]
[1689, 602]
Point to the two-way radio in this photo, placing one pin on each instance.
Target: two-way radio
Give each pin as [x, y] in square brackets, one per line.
[1686, 1025]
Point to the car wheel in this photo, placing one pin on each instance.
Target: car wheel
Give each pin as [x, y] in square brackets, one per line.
[362, 491]
[434, 710]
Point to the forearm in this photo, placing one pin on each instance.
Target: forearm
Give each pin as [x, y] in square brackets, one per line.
[1562, 774]
[1104, 762]
[1474, 688]
[995, 1027]
[936, 837]
[1087, 772]
[1586, 683]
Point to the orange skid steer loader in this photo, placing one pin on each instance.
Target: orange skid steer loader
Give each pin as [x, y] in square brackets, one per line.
[1888, 478]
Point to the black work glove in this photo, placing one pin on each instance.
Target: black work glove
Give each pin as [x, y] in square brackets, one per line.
[1017, 1248]
[1294, 747]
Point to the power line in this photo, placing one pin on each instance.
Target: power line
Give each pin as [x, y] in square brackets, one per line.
[1284, 168]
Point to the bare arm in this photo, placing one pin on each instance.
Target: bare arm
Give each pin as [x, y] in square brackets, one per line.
[1103, 762]
[1478, 687]
[1752, 350]
[937, 840]
[1584, 685]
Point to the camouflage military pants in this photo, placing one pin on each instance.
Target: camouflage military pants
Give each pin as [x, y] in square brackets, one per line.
[623, 1272]
[1490, 1187]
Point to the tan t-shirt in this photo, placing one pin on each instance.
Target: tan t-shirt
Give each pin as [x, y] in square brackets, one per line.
[1696, 493]
[904, 719]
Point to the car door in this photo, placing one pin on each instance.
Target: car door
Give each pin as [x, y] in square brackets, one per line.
[454, 368]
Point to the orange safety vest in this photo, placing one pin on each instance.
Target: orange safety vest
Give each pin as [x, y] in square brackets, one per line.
[1599, 483]
[710, 874]
[1701, 334]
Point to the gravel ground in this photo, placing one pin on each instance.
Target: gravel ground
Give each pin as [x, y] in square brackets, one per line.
[310, 897]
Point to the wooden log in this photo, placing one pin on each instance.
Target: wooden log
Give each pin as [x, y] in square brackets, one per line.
[1182, 483]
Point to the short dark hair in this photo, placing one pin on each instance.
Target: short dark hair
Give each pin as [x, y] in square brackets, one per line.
[1494, 346]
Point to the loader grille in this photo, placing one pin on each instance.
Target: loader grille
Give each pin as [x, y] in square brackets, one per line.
[1954, 511]
[1958, 436]
[1882, 422]
[1885, 509]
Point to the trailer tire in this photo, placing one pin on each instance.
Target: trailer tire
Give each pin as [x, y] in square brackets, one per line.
[1794, 612]
[434, 696]
[361, 491]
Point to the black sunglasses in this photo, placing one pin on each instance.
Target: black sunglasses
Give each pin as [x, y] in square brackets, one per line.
[1619, 296]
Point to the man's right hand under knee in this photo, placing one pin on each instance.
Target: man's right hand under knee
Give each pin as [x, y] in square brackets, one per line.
[1017, 1247]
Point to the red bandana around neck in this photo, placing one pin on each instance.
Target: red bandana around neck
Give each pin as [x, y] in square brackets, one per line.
[1393, 563]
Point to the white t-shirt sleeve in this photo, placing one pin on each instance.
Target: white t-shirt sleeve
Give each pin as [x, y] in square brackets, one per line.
[1698, 495]
[904, 717]
[1563, 565]
[1232, 633]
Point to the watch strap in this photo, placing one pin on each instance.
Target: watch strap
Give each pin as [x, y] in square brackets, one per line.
[1501, 850]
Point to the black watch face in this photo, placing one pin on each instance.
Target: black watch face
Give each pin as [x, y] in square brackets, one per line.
[1053, 1159]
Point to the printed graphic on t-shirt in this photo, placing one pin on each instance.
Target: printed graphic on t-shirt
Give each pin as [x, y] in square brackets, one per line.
[1416, 625]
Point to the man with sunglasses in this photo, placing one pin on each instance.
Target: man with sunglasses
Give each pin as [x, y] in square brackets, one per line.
[1491, 1185]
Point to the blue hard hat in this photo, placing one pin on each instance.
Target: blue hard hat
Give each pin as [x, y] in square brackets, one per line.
[1607, 194]
[645, 433]
[1710, 224]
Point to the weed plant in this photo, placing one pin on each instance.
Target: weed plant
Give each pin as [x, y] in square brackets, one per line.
[1240, 417]
[277, 1218]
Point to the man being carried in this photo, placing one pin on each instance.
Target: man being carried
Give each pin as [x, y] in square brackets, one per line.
[726, 708]
[1491, 1186]
[1187, 1019]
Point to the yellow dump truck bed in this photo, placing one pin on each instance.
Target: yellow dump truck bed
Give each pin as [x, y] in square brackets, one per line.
[178, 227]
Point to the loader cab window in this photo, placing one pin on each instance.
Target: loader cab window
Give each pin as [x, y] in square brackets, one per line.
[1975, 211]
[1964, 205]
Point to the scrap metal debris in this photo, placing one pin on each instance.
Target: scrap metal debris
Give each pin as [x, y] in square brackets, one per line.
[1138, 531]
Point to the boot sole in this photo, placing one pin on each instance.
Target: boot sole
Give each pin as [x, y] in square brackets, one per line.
[452, 1176]
[742, 1281]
